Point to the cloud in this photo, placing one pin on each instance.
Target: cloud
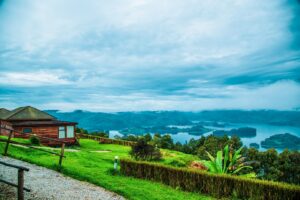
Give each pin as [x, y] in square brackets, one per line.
[149, 54]
[33, 79]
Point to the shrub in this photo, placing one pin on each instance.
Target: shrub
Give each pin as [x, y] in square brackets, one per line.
[144, 151]
[34, 140]
[100, 134]
[227, 162]
[218, 185]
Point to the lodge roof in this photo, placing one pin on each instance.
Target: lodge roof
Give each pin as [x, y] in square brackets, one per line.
[25, 113]
[42, 123]
[3, 112]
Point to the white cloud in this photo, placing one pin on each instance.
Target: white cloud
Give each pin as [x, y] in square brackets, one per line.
[283, 95]
[150, 54]
[33, 79]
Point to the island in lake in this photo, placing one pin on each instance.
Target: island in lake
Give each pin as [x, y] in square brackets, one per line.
[194, 130]
[254, 145]
[240, 132]
[282, 141]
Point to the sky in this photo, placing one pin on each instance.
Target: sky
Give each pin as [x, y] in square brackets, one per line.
[133, 55]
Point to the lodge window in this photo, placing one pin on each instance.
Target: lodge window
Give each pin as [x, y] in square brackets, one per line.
[70, 131]
[62, 132]
[27, 130]
[66, 132]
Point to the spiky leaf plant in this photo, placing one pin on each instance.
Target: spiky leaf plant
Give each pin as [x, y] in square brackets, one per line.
[228, 162]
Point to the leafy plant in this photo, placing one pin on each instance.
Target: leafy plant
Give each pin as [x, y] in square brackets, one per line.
[227, 162]
[141, 150]
[34, 140]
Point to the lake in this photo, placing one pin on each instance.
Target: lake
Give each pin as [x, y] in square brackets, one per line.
[263, 131]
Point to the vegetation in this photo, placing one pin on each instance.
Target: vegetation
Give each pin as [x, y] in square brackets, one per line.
[267, 165]
[96, 133]
[123, 120]
[240, 132]
[20, 140]
[282, 141]
[93, 163]
[227, 162]
[271, 165]
[218, 185]
[194, 130]
[143, 151]
[34, 140]
[196, 147]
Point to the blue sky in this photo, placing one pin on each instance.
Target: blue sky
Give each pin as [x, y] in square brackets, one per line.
[131, 55]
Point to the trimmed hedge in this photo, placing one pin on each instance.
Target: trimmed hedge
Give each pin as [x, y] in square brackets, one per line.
[212, 184]
[104, 140]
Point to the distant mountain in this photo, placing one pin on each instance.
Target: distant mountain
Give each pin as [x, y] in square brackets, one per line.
[122, 120]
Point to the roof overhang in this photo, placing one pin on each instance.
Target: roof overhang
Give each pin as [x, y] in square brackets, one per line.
[42, 123]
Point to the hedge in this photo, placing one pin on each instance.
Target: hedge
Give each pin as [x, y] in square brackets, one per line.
[213, 184]
[104, 140]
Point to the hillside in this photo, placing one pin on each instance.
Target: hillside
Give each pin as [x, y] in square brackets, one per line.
[93, 162]
[121, 120]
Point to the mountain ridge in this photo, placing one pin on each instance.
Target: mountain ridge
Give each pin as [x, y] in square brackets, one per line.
[120, 120]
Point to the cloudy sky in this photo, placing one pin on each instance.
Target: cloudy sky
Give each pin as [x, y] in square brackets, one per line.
[130, 55]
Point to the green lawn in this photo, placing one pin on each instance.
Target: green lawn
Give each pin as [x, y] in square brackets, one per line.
[96, 167]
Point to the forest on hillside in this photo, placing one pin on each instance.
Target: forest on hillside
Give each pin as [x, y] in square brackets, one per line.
[121, 120]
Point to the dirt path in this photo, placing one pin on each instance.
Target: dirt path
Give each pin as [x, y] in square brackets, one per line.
[46, 184]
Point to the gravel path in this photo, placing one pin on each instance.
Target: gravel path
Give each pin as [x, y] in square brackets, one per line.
[47, 184]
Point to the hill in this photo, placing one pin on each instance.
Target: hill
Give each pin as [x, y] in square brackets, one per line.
[116, 121]
[93, 162]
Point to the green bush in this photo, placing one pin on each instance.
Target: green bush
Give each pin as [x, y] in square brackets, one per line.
[34, 140]
[218, 185]
[144, 151]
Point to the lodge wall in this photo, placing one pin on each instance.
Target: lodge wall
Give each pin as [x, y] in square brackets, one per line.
[44, 131]
[4, 125]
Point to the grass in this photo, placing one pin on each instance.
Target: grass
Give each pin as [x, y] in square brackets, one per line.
[96, 168]
[20, 140]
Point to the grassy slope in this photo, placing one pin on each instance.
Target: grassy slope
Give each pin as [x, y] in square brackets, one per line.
[95, 168]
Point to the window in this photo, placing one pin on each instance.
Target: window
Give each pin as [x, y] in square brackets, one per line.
[61, 132]
[27, 130]
[70, 131]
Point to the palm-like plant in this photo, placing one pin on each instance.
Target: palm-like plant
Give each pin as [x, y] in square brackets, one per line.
[227, 162]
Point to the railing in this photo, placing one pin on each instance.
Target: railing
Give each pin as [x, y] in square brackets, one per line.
[8, 141]
[20, 184]
[104, 140]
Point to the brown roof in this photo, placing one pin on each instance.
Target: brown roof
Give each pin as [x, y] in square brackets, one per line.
[27, 113]
[43, 123]
[3, 113]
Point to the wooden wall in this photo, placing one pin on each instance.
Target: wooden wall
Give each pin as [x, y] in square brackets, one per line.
[45, 131]
[6, 125]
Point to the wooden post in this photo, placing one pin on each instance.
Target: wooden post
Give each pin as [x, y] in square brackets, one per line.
[61, 155]
[7, 143]
[20, 184]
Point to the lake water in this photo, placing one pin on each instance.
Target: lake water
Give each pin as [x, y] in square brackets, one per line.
[263, 131]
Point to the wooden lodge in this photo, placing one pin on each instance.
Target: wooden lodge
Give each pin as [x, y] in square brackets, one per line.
[25, 121]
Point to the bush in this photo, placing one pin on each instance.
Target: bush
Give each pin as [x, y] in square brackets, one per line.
[214, 184]
[144, 151]
[100, 134]
[34, 140]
